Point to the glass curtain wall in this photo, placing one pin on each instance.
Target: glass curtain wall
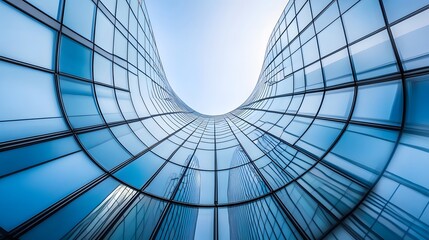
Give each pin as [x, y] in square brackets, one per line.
[332, 143]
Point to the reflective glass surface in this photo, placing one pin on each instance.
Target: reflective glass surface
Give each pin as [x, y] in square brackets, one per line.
[333, 142]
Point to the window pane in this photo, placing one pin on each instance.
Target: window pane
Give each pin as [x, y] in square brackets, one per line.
[380, 103]
[337, 68]
[30, 106]
[373, 56]
[140, 170]
[104, 148]
[310, 52]
[166, 180]
[49, 7]
[104, 32]
[313, 76]
[362, 19]
[25, 157]
[128, 139]
[79, 16]
[103, 70]
[121, 77]
[311, 103]
[65, 175]
[327, 43]
[337, 103]
[120, 45]
[400, 8]
[79, 103]
[328, 16]
[320, 136]
[411, 40]
[417, 103]
[367, 161]
[110, 5]
[107, 102]
[25, 39]
[75, 59]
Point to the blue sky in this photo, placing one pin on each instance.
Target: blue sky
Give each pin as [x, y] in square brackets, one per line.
[212, 50]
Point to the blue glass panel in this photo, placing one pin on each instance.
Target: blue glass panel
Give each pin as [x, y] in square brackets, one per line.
[365, 162]
[164, 183]
[140, 170]
[358, 26]
[304, 17]
[373, 56]
[410, 161]
[297, 60]
[306, 35]
[205, 223]
[79, 103]
[285, 86]
[266, 217]
[75, 59]
[417, 103]
[224, 157]
[328, 16]
[306, 210]
[34, 45]
[110, 5]
[337, 69]
[313, 76]
[299, 81]
[205, 158]
[183, 227]
[135, 225]
[320, 136]
[410, 38]
[310, 52]
[166, 148]
[292, 30]
[280, 104]
[122, 12]
[25, 157]
[206, 187]
[318, 5]
[104, 148]
[380, 103]
[295, 104]
[120, 45]
[296, 129]
[128, 139]
[64, 175]
[49, 7]
[400, 8]
[271, 172]
[125, 104]
[337, 103]
[103, 72]
[70, 215]
[346, 4]
[121, 76]
[311, 103]
[79, 16]
[327, 44]
[108, 105]
[31, 98]
[104, 32]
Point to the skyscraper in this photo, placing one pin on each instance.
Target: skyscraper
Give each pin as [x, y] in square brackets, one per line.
[332, 143]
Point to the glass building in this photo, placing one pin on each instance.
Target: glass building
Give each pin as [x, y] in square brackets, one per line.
[332, 143]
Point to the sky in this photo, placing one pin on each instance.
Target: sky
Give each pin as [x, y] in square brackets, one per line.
[212, 50]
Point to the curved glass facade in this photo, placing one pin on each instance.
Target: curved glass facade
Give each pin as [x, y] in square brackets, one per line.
[332, 143]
